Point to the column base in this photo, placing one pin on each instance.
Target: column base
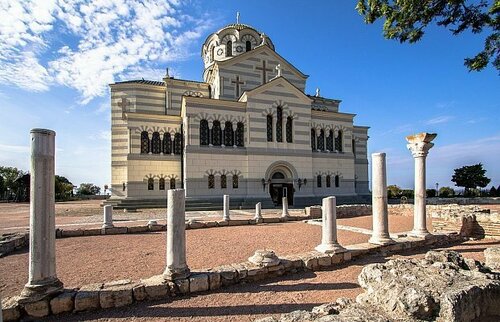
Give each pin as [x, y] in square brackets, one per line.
[330, 248]
[108, 226]
[381, 240]
[172, 274]
[258, 219]
[419, 233]
[226, 218]
[39, 290]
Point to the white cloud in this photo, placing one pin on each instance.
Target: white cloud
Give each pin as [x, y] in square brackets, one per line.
[14, 148]
[439, 119]
[101, 41]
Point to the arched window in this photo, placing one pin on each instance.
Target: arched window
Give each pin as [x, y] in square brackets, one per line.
[161, 184]
[338, 142]
[240, 132]
[328, 181]
[167, 143]
[318, 180]
[228, 134]
[172, 183]
[216, 133]
[177, 143]
[278, 175]
[223, 181]
[269, 128]
[151, 184]
[289, 129]
[156, 143]
[212, 50]
[248, 45]
[313, 139]
[144, 142]
[321, 140]
[354, 147]
[235, 181]
[329, 141]
[211, 181]
[279, 124]
[337, 181]
[204, 136]
[229, 49]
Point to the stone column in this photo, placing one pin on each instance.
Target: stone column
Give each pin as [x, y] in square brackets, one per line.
[176, 236]
[258, 212]
[42, 280]
[419, 145]
[108, 217]
[380, 234]
[329, 244]
[285, 213]
[225, 215]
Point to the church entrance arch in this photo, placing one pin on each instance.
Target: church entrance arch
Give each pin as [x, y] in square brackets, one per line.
[280, 178]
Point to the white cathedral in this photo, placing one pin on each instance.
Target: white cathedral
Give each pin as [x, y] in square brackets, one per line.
[248, 130]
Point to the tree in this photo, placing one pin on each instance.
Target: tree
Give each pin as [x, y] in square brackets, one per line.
[63, 188]
[446, 192]
[493, 192]
[431, 193]
[393, 191]
[12, 185]
[406, 20]
[470, 177]
[88, 189]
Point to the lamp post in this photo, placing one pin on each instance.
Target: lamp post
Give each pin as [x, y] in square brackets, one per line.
[437, 189]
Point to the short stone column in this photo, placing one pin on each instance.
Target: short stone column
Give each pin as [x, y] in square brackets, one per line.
[108, 217]
[419, 145]
[176, 236]
[258, 212]
[285, 213]
[329, 244]
[225, 215]
[380, 214]
[42, 280]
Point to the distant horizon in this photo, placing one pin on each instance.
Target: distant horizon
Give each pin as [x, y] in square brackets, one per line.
[58, 64]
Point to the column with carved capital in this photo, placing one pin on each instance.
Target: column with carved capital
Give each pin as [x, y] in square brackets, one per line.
[419, 145]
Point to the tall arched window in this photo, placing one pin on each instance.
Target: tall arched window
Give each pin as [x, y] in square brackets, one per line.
[318, 181]
[354, 147]
[313, 139]
[204, 136]
[144, 142]
[279, 124]
[228, 134]
[172, 183]
[321, 140]
[289, 129]
[248, 45]
[235, 181]
[269, 128]
[167, 143]
[223, 181]
[337, 181]
[212, 50]
[229, 49]
[240, 133]
[151, 184]
[156, 143]
[177, 143]
[338, 142]
[216, 133]
[211, 181]
[329, 140]
[161, 184]
[328, 181]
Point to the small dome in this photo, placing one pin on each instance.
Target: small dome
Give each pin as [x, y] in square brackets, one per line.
[232, 40]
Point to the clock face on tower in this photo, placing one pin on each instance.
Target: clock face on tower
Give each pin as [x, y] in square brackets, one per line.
[220, 51]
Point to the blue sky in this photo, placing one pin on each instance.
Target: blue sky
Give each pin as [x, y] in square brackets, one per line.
[57, 59]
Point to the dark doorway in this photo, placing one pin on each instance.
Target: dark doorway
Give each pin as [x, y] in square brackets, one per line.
[280, 190]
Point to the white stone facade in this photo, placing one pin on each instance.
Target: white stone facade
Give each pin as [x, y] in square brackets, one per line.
[248, 131]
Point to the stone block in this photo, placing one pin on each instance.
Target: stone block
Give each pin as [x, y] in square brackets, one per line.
[210, 224]
[255, 273]
[324, 260]
[241, 268]
[87, 297]
[37, 309]
[276, 268]
[222, 223]
[11, 309]
[238, 222]
[137, 229]
[338, 258]
[157, 227]
[182, 286]
[271, 220]
[116, 294]
[294, 260]
[310, 260]
[214, 280]
[92, 232]
[114, 231]
[347, 256]
[64, 302]
[139, 292]
[156, 287]
[228, 274]
[199, 282]
[71, 233]
[195, 225]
